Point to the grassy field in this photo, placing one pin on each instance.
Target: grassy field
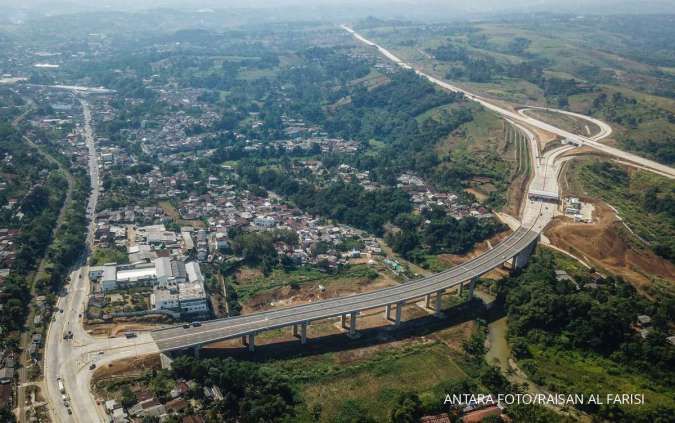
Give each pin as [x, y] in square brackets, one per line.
[373, 379]
[626, 191]
[566, 122]
[570, 371]
[108, 255]
[604, 67]
[580, 50]
[171, 211]
[482, 147]
[256, 283]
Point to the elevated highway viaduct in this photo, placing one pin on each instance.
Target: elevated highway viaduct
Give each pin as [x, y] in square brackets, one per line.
[517, 247]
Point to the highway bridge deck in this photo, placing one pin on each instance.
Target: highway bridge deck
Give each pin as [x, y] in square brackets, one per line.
[177, 337]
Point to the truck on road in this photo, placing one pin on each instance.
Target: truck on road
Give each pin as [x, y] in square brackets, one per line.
[62, 389]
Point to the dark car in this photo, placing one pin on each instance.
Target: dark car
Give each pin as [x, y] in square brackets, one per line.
[186, 326]
[196, 324]
[93, 366]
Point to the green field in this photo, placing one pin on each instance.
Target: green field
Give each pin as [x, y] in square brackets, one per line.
[280, 278]
[571, 371]
[325, 382]
[600, 60]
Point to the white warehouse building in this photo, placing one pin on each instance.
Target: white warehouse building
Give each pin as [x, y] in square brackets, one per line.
[178, 286]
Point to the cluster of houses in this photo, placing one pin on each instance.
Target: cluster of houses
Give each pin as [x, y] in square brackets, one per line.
[7, 250]
[149, 406]
[297, 135]
[308, 137]
[112, 224]
[644, 327]
[232, 208]
[110, 155]
[7, 372]
[347, 173]
[424, 196]
[178, 130]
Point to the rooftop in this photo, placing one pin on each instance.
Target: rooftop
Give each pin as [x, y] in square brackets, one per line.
[135, 274]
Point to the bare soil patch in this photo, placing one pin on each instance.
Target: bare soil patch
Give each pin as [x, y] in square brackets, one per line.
[607, 244]
[307, 293]
[451, 260]
[123, 369]
[116, 328]
[244, 274]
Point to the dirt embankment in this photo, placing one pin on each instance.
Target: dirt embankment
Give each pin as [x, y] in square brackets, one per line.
[608, 245]
[308, 293]
[451, 260]
[122, 369]
[127, 324]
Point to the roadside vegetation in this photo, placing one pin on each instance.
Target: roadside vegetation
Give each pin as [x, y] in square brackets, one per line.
[586, 339]
[646, 202]
[433, 232]
[622, 76]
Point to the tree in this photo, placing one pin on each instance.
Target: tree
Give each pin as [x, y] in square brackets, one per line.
[251, 394]
[532, 414]
[352, 411]
[7, 416]
[128, 397]
[492, 378]
[408, 409]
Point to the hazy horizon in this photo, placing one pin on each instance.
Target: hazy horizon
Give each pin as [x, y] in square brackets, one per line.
[335, 9]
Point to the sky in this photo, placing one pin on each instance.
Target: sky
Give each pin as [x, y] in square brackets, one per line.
[344, 8]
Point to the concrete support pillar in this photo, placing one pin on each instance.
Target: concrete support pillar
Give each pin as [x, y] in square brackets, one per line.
[437, 308]
[427, 301]
[251, 342]
[352, 323]
[472, 286]
[459, 291]
[520, 260]
[197, 349]
[387, 312]
[399, 309]
[344, 321]
[303, 333]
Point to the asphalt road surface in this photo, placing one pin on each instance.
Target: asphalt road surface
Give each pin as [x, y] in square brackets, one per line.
[70, 359]
[592, 141]
[177, 337]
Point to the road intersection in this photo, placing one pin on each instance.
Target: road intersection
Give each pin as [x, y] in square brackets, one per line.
[70, 360]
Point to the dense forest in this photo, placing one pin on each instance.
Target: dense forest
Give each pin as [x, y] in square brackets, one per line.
[554, 315]
[347, 203]
[434, 232]
[250, 393]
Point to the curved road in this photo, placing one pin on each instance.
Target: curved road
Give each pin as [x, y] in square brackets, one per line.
[592, 142]
[177, 337]
[70, 360]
